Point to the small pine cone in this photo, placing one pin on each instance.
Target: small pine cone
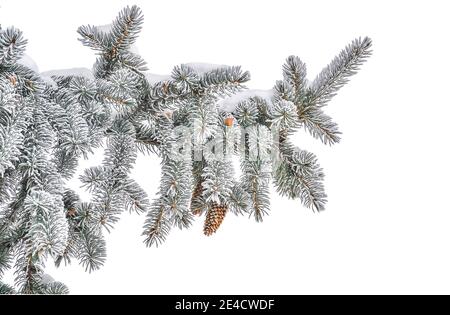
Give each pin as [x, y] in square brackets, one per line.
[214, 218]
[196, 206]
[198, 190]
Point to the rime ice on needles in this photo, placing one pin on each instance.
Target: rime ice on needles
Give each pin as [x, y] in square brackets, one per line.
[196, 120]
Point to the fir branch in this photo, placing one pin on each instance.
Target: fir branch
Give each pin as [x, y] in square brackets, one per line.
[298, 175]
[48, 227]
[45, 128]
[6, 289]
[224, 81]
[185, 79]
[337, 73]
[28, 272]
[120, 153]
[55, 288]
[319, 125]
[28, 82]
[157, 225]
[93, 38]
[125, 29]
[8, 186]
[133, 62]
[246, 113]
[92, 250]
[136, 197]
[12, 45]
[239, 200]
[12, 125]
[81, 89]
[146, 138]
[217, 180]
[283, 116]
[165, 95]
[255, 178]
[6, 257]
[294, 73]
[203, 119]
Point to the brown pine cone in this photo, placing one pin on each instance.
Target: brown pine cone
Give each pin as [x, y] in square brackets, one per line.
[214, 218]
[196, 207]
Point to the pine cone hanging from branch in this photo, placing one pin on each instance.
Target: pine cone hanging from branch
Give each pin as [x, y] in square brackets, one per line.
[196, 204]
[214, 218]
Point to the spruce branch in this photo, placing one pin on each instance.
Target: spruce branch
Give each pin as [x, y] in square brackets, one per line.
[319, 125]
[93, 38]
[255, 181]
[224, 81]
[337, 73]
[12, 45]
[239, 199]
[6, 289]
[298, 175]
[157, 225]
[55, 288]
[48, 231]
[294, 73]
[125, 29]
[48, 122]
[92, 250]
[136, 198]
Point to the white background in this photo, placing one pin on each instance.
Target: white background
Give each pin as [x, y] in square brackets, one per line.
[386, 228]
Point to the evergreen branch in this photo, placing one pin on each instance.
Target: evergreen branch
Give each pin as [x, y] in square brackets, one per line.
[298, 175]
[55, 288]
[125, 29]
[133, 62]
[81, 89]
[224, 81]
[337, 73]
[175, 191]
[6, 289]
[203, 119]
[12, 45]
[165, 95]
[49, 230]
[46, 125]
[185, 79]
[239, 200]
[28, 273]
[246, 113]
[136, 197]
[284, 91]
[294, 73]
[283, 116]
[146, 138]
[92, 250]
[27, 81]
[6, 257]
[120, 153]
[8, 186]
[93, 38]
[217, 181]
[255, 179]
[11, 136]
[157, 226]
[319, 125]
